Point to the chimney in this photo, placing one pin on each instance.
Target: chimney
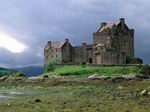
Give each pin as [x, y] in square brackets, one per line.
[103, 24]
[49, 43]
[83, 44]
[67, 40]
[132, 32]
[122, 20]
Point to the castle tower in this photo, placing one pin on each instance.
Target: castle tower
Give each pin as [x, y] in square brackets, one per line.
[113, 43]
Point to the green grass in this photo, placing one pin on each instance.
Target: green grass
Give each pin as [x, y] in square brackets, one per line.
[90, 70]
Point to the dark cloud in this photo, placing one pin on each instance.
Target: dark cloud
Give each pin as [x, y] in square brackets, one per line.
[34, 22]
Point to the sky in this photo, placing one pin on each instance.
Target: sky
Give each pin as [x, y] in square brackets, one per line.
[27, 25]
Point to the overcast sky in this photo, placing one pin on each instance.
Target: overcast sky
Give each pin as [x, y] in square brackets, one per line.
[31, 23]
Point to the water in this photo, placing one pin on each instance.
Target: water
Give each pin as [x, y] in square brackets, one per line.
[8, 95]
[4, 97]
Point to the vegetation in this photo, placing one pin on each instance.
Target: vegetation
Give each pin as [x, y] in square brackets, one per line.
[131, 60]
[83, 63]
[18, 74]
[93, 96]
[90, 70]
[6, 72]
[51, 66]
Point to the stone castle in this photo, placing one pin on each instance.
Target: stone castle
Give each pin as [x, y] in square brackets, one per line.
[112, 44]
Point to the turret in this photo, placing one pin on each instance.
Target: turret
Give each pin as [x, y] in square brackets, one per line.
[83, 44]
[67, 40]
[132, 32]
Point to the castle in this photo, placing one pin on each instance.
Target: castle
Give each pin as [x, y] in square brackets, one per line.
[112, 44]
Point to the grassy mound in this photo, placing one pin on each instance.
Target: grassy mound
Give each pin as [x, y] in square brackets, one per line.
[90, 70]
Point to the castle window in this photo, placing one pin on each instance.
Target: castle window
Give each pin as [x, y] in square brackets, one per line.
[52, 56]
[52, 50]
[56, 50]
[125, 43]
[89, 48]
[56, 56]
[46, 51]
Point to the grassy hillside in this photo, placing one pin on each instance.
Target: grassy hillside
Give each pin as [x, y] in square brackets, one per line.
[90, 70]
[4, 72]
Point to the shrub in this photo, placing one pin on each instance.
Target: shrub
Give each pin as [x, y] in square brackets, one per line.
[83, 63]
[19, 74]
[51, 66]
[45, 76]
[131, 60]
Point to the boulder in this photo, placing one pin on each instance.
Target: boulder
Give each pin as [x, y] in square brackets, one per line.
[129, 77]
[142, 76]
[96, 77]
[144, 93]
[3, 78]
[38, 100]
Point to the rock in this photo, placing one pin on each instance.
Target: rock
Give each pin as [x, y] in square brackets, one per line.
[57, 77]
[117, 79]
[3, 78]
[8, 104]
[35, 79]
[46, 77]
[144, 93]
[38, 100]
[96, 77]
[93, 76]
[142, 76]
[129, 77]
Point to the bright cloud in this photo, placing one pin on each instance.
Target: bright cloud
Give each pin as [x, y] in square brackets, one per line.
[10, 43]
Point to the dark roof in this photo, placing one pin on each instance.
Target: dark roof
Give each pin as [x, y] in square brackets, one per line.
[55, 45]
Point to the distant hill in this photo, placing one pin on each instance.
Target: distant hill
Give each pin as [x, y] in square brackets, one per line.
[31, 70]
[4, 71]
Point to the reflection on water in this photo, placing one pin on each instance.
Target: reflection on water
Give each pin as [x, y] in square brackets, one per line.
[4, 97]
[7, 95]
